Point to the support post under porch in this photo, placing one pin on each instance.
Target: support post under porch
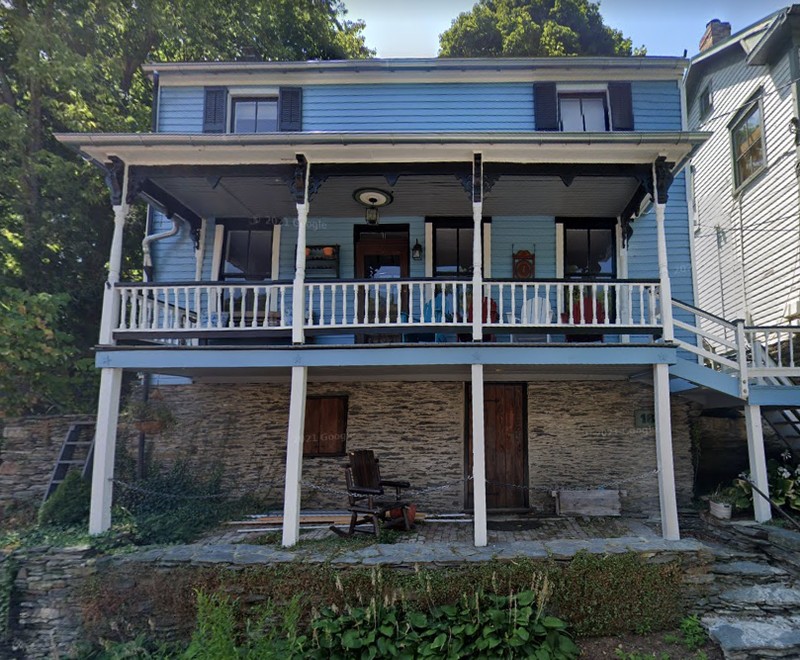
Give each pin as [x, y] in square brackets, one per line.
[478, 458]
[664, 460]
[105, 441]
[294, 456]
[758, 462]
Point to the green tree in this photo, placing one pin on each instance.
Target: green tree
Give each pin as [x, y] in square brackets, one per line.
[75, 66]
[532, 28]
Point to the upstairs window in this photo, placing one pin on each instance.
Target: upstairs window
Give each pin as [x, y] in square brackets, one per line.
[247, 253]
[452, 248]
[254, 115]
[706, 102]
[747, 139]
[589, 249]
[583, 112]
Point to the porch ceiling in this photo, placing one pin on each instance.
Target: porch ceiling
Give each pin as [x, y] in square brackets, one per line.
[414, 195]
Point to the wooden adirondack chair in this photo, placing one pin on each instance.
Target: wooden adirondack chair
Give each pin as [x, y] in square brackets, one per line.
[368, 501]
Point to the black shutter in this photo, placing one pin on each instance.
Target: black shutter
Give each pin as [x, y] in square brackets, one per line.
[545, 106]
[290, 109]
[619, 93]
[214, 108]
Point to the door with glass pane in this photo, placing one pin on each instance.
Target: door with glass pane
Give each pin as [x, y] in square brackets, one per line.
[382, 256]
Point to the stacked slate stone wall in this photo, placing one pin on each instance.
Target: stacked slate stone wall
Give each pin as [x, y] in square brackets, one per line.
[580, 435]
[28, 452]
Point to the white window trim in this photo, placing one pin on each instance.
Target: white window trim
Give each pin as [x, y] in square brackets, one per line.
[618, 250]
[219, 244]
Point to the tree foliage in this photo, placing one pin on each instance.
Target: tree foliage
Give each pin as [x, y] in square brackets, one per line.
[532, 28]
[75, 66]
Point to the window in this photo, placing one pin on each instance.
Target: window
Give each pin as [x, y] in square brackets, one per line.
[325, 426]
[589, 249]
[747, 137]
[247, 251]
[452, 248]
[583, 112]
[706, 102]
[254, 115]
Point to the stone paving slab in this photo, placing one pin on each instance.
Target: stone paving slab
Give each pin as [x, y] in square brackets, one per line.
[755, 638]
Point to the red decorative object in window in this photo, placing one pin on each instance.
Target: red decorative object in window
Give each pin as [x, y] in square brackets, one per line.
[524, 265]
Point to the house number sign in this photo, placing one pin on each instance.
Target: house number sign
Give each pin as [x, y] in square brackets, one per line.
[644, 418]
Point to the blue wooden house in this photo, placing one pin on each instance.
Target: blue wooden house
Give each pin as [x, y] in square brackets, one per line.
[481, 269]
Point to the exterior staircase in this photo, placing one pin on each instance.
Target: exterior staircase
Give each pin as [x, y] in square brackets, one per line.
[754, 610]
[77, 453]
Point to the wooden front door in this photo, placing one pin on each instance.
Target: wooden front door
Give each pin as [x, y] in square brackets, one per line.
[506, 454]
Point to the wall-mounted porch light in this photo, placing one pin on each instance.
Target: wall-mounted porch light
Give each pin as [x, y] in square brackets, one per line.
[372, 199]
[416, 251]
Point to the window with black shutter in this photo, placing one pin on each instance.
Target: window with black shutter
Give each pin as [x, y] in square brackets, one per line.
[325, 426]
[214, 106]
[576, 110]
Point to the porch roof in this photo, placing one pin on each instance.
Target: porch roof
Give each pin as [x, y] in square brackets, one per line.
[377, 147]
[564, 174]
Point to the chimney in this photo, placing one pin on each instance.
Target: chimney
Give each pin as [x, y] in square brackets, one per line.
[716, 32]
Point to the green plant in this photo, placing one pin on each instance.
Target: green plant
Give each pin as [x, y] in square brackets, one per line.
[69, 503]
[478, 625]
[635, 655]
[729, 495]
[693, 634]
[783, 477]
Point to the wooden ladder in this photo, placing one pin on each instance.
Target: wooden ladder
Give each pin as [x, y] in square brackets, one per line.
[77, 451]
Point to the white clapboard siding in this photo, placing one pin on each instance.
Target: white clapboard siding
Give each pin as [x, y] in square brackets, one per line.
[746, 244]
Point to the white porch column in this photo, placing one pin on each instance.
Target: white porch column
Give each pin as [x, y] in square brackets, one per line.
[477, 251]
[298, 289]
[758, 462]
[294, 456]
[664, 461]
[478, 457]
[105, 441]
[663, 264]
[110, 315]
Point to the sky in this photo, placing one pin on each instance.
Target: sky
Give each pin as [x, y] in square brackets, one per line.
[411, 28]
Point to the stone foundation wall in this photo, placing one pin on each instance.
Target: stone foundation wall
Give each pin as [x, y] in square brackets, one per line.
[28, 453]
[580, 435]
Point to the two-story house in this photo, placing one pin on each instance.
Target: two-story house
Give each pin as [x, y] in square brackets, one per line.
[480, 269]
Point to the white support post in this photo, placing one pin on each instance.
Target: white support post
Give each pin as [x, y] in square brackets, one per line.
[664, 461]
[477, 250]
[298, 289]
[478, 457]
[105, 441]
[663, 264]
[294, 456]
[110, 315]
[758, 462]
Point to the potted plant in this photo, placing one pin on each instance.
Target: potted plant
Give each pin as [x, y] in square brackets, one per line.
[151, 416]
[721, 502]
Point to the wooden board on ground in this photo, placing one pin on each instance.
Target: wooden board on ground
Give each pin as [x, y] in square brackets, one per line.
[315, 519]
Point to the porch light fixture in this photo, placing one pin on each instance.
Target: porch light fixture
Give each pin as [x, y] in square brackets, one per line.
[372, 199]
[416, 251]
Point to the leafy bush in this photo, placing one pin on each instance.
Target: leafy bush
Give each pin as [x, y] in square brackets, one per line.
[479, 625]
[784, 484]
[69, 504]
[613, 594]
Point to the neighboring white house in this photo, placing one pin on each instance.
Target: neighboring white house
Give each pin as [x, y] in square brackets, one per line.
[744, 193]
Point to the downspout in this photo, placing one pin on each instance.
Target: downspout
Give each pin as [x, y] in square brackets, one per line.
[148, 257]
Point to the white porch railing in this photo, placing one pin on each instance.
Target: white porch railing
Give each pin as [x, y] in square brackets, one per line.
[189, 309]
[774, 351]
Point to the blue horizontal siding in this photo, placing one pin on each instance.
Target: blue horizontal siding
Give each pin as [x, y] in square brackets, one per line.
[656, 106]
[180, 110]
[419, 107]
[536, 234]
[173, 257]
